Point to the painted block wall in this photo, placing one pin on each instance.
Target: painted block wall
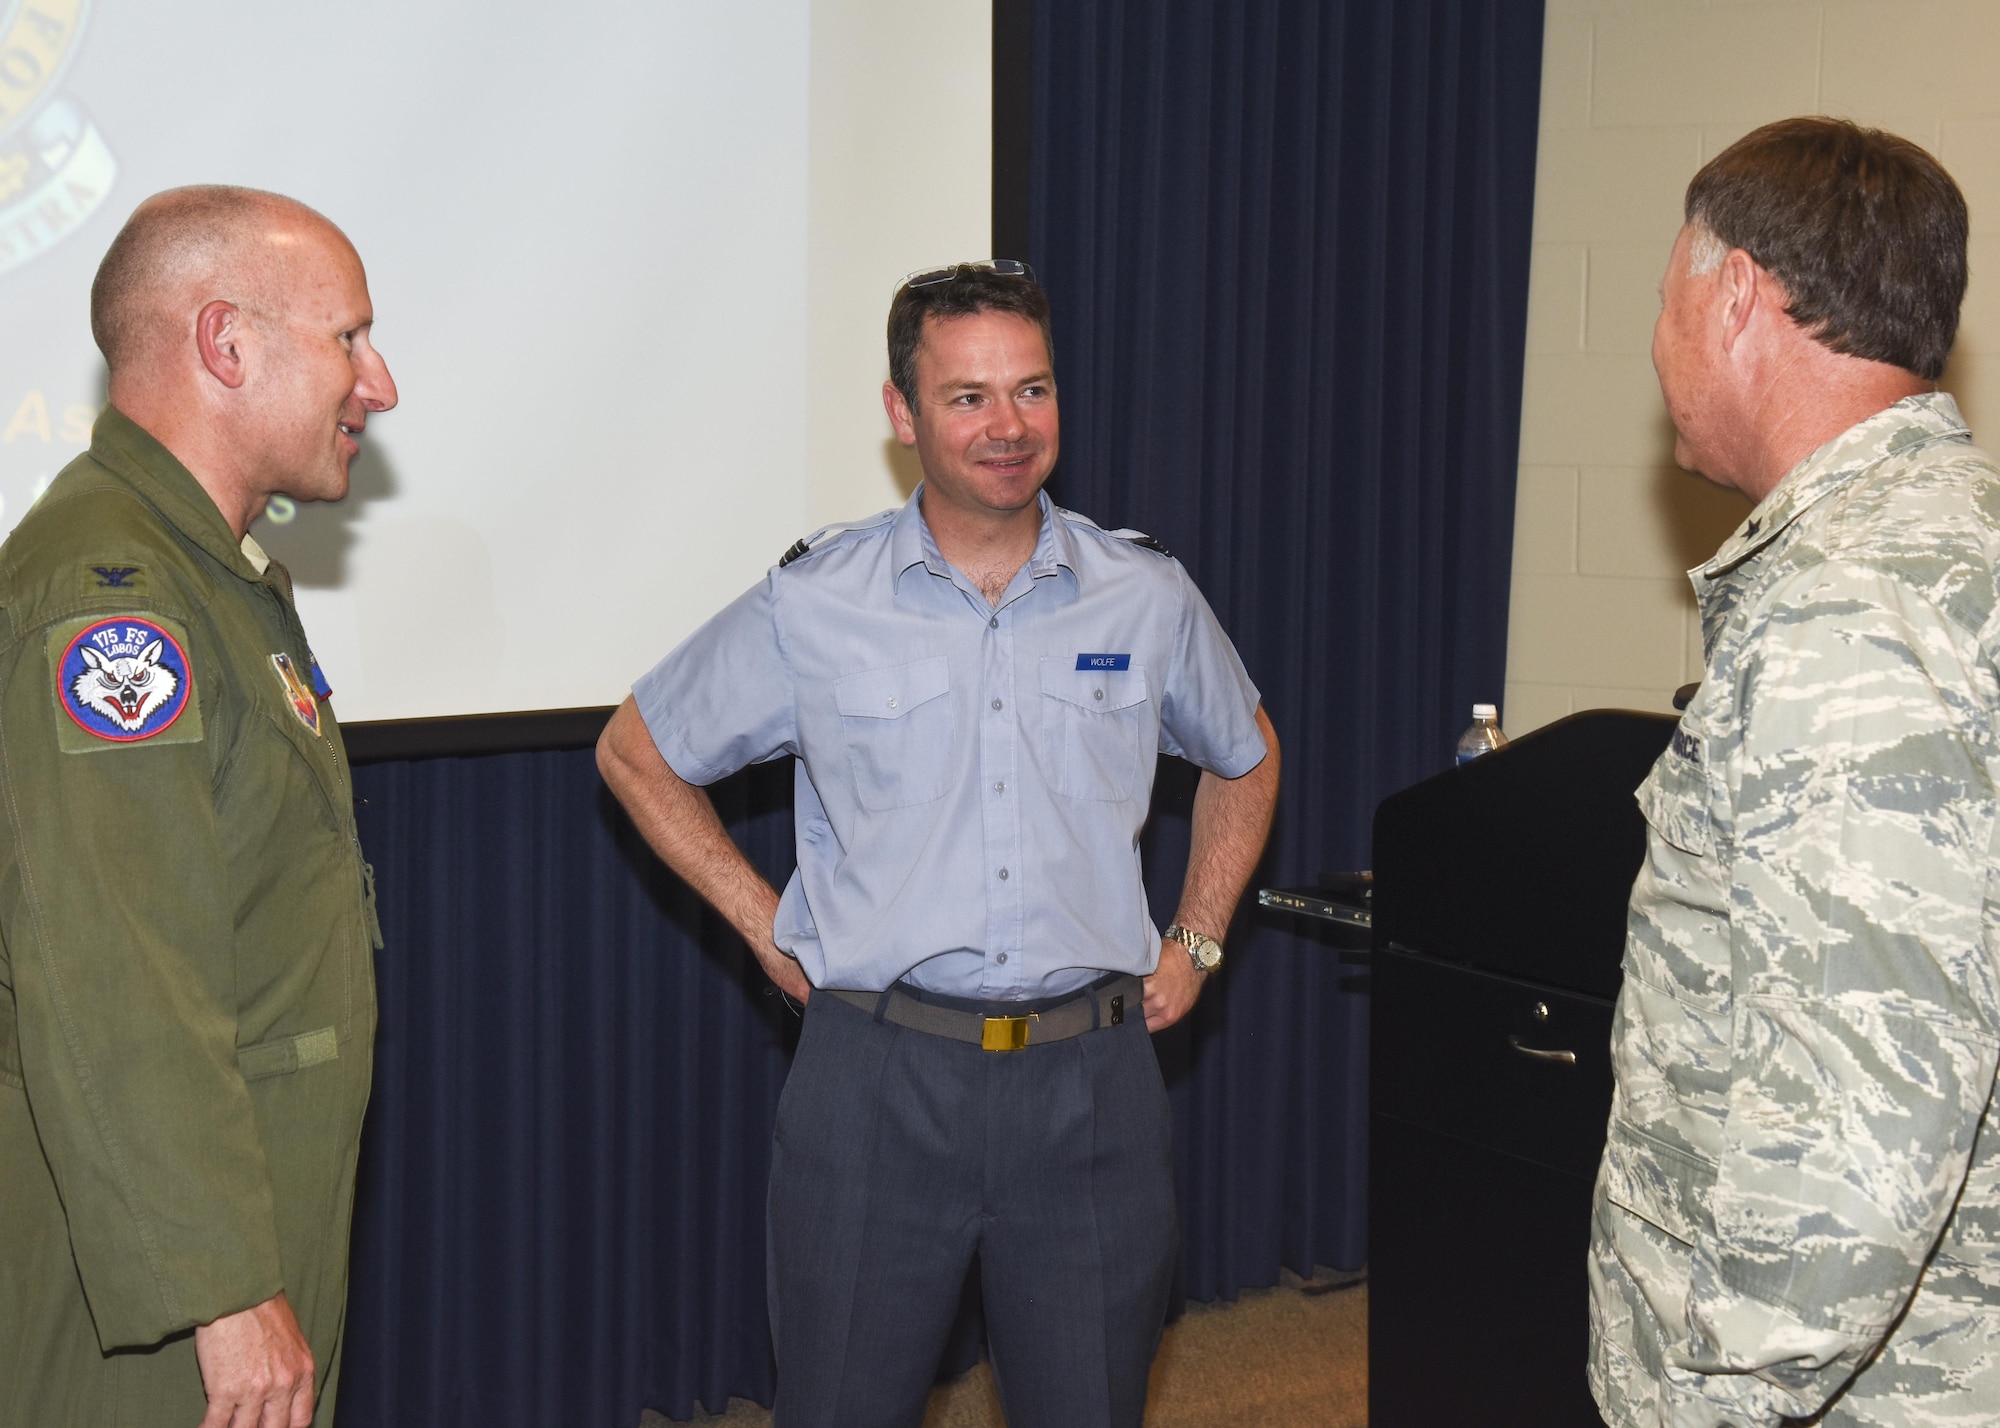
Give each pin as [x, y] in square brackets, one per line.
[1637, 95]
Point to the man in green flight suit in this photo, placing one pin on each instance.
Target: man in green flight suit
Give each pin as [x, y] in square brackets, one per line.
[187, 1004]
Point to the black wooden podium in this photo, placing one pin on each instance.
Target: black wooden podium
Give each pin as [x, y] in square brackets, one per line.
[1499, 922]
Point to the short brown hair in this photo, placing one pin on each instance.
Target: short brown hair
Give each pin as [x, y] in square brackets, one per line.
[969, 290]
[1865, 230]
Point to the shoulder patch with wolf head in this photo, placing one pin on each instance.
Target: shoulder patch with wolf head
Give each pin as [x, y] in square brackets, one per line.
[122, 680]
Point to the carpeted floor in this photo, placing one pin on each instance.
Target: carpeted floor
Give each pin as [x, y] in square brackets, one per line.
[1294, 1355]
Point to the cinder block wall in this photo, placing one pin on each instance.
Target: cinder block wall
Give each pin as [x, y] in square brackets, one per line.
[1635, 97]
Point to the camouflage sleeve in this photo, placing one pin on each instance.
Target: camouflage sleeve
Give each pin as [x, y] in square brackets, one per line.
[1866, 1023]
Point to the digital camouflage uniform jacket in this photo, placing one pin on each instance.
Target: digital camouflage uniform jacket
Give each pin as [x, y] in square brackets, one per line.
[187, 1001]
[1800, 1195]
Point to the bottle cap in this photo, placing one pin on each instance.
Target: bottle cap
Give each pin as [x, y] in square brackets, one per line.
[1485, 711]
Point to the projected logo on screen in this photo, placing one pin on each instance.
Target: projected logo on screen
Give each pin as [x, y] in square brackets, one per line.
[54, 167]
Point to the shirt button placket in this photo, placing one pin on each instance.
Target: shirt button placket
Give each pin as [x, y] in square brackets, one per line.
[1000, 807]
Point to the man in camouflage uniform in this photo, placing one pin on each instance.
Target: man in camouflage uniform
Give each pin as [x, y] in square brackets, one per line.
[1798, 1212]
[187, 998]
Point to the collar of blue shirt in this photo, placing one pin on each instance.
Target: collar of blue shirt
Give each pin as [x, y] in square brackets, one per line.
[911, 543]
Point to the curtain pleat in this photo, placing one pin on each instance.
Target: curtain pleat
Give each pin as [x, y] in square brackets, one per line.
[1287, 248]
[561, 1211]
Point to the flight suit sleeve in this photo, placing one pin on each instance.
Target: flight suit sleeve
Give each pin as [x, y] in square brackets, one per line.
[1866, 1024]
[117, 913]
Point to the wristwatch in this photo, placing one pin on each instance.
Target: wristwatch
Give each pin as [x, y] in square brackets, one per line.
[1204, 951]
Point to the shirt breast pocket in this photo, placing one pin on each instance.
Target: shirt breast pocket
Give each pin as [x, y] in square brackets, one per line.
[1674, 798]
[899, 732]
[1100, 726]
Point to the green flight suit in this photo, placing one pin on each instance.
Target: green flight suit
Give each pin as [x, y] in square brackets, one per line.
[187, 993]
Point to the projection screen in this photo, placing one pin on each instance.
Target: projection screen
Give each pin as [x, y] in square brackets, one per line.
[629, 261]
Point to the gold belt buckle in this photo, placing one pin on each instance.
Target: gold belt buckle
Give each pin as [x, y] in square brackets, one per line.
[1005, 1033]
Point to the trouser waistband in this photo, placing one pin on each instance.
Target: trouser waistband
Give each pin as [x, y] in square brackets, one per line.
[1104, 1003]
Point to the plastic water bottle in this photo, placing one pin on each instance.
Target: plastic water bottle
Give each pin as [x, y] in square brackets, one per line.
[1484, 736]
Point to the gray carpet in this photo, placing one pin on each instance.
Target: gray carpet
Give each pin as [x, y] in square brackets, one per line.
[1274, 1358]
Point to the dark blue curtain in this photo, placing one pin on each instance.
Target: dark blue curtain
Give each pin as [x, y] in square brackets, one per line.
[560, 1219]
[1287, 245]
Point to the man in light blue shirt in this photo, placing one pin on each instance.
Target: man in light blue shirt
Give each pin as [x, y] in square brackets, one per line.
[975, 687]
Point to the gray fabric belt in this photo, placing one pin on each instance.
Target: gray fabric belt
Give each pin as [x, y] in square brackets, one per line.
[1091, 1009]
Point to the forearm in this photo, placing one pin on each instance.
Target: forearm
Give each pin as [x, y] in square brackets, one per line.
[1232, 820]
[679, 822]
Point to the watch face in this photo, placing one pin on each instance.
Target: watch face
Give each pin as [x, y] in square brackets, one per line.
[1203, 950]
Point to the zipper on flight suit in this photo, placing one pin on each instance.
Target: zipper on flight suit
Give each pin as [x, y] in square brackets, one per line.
[296, 631]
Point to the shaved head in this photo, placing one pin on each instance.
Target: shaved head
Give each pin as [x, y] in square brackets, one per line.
[237, 326]
[186, 247]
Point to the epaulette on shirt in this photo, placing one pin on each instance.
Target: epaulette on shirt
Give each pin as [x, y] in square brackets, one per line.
[1131, 537]
[807, 544]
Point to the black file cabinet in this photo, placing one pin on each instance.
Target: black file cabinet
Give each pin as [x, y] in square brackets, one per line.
[1499, 922]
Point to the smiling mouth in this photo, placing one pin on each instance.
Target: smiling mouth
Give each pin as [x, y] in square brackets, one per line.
[346, 430]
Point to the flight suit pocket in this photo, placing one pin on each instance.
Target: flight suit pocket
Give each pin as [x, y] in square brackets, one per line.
[289, 796]
[10, 1049]
[1100, 727]
[285, 1054]
[370, 909]
[897, 724]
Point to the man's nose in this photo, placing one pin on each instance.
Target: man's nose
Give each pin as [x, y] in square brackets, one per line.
[1005, 424]
[377, 389]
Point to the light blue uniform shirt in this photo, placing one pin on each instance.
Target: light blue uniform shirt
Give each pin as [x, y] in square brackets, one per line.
[971, 781]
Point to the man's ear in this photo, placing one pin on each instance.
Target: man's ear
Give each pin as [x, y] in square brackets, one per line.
[218, 333]
[900, 416]
[1742, 290]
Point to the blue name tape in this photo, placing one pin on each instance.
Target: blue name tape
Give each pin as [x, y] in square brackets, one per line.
[1104, 661]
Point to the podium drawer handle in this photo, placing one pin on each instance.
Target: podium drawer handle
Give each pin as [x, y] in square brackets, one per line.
[1565, 1058]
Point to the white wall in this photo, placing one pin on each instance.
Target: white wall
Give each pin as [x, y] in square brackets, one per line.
[902, 179]
[1635, 97]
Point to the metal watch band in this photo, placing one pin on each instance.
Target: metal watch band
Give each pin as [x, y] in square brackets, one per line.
[1204, 951]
